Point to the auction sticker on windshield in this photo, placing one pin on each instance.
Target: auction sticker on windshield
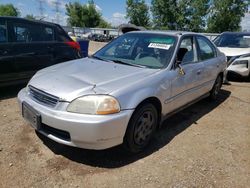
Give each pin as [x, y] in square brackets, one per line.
[159, 46]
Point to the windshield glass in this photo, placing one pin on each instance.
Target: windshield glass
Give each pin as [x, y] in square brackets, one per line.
[139, 49]
[233, 40]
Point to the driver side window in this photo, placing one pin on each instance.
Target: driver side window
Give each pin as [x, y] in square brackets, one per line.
[186, 53]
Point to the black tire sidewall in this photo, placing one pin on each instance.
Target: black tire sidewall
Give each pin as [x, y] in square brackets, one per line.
[129, 142]
[214, 96]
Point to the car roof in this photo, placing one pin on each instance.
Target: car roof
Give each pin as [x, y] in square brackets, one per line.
[228, 32]
[28, 20]
[170, 32]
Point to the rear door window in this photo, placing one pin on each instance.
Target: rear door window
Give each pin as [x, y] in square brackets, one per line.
[206, 49]
[28, 33]
[22, 33]
[3, 32]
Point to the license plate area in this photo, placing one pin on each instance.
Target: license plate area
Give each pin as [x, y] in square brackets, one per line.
[31, 115]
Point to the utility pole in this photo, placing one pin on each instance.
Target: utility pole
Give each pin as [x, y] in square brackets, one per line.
[41, 9]
[57, 10]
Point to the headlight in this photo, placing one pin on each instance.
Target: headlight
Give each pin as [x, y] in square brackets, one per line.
[245, 55]
[94, 104]
[240, 62]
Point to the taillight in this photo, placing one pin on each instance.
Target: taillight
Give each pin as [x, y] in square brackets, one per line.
[74, 44]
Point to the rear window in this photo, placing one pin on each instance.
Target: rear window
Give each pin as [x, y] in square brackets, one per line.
[3, 32]
[62, 36]
[26, 32]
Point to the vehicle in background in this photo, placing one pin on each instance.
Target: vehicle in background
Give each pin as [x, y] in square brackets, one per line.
[27, 46]
[72, 36]
[124, 91]
[94, 37]
[211, 36]
[125, 28]
[100, 37]
[236, 46]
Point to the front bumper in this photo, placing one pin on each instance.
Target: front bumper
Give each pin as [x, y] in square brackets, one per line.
[85, 131]
[241, 69]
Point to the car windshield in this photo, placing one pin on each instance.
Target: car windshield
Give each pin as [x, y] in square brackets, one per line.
[139, 49]
[233, 40]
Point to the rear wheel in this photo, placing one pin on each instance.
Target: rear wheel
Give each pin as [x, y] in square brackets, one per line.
[141, 127]
[216, 88]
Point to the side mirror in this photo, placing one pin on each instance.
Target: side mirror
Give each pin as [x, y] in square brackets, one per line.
[178, 65]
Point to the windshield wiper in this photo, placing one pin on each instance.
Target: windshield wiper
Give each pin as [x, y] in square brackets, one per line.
[130, 64]
[117, 61]
[99, 58]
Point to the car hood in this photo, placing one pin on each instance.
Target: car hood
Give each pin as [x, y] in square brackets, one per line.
[234, 51]
[86, 76]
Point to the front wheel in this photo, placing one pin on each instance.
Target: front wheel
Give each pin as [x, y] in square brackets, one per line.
[216, 88]
[141, 127]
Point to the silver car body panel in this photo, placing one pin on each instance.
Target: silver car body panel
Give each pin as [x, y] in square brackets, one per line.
[128, 84]
[86, 76]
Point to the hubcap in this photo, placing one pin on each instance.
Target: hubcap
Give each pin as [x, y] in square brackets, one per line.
[144, 127]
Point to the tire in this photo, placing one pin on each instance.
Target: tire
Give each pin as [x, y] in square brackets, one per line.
[216, 88]
[141, 128]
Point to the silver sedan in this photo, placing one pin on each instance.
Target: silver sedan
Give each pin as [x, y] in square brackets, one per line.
[124, 91]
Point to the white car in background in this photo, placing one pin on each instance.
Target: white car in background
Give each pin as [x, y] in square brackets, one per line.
[236, 47]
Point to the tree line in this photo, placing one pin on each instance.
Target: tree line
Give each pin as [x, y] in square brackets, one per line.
[189, 15]
[79, 15]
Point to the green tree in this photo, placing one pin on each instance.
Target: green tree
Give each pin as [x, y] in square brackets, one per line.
[226, 15]
[30, 17]
[75, 13]
[165, 14]
[180, 14]
[84, 15]
[197, 13]
[104, 24]
[9, 10]
[138, 12]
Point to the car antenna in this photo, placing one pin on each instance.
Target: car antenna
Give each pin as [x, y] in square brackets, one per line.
[42, 18]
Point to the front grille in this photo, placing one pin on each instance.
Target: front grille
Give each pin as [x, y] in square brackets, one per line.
[43, 97]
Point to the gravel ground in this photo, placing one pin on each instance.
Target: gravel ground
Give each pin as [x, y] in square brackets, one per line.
[94, 46]
[206, 145]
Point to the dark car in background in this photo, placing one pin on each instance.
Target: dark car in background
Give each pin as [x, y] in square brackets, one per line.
[27, 46]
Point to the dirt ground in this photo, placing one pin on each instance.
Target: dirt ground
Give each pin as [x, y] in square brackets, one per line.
[94, 46]
[206, 145]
